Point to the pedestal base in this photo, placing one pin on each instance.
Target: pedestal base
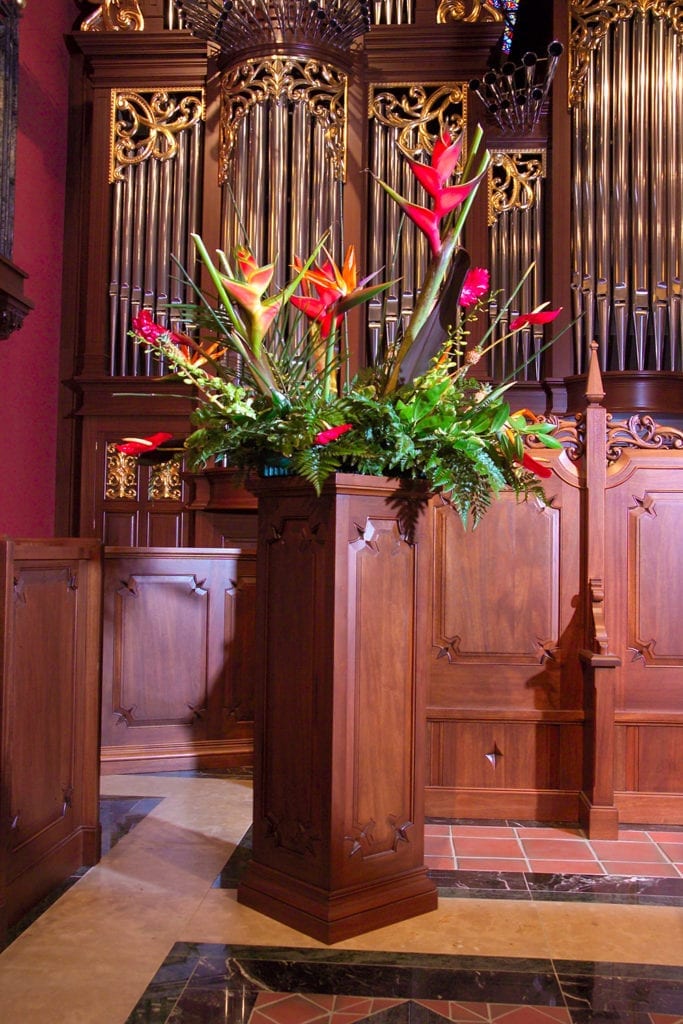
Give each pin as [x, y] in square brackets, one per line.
[332, 917]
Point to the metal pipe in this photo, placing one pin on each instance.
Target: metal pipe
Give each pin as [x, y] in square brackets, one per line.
[674, 180]
[620, 206]
[603, 172]
[658, 191]
[139, 181]
[124, 288]
[115, 273]
[640, 65]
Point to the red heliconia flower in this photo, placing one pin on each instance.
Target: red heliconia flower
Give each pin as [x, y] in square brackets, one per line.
[475, 285]
[332, 433]
[535, 467]
[139, 445]
[540, 315]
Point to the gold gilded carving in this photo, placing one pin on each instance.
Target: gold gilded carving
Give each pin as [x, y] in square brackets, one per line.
[145, 124]
[320, 86]
[592, 20]
[420, 112]
[164, 481]
[121, 475]
[115, 16]
[512, 178]
[467, 10]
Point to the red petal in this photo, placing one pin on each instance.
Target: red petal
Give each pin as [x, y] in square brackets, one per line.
[535, 467]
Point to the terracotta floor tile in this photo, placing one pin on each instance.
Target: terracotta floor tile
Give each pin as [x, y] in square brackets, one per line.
[491, 864]
[554, 832]
[647, 869]
[563, 867]
[494, 831]
[486, 847]
[556, 849]
[438, 846]
[437, 830]
[674, 851]
[439, 863]
[623, 850]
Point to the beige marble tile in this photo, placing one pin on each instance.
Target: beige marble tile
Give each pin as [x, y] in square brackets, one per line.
[462, 927]
[613, 932]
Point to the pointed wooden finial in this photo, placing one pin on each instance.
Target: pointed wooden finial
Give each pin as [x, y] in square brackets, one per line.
[595, 391]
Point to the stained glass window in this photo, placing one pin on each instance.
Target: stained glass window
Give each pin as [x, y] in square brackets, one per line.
[508, 9]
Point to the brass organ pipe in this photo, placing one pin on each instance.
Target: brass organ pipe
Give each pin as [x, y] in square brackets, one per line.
[504, 266]
[674, 182]
[578, 130]
[538, 257]
[377, 233]
[195, 173]
[163, 249]
[258, 174]
[318, 209]
[151, 231]
[407, 189]
[393, 303]
[588, 269]
[640, 185]
[603, 178]
[658, 206]
[238, 196]
[139, 180]
[277, 185]
[124, 290]
[620, 207]
[178, 225]
[300, 191]
[114, 283]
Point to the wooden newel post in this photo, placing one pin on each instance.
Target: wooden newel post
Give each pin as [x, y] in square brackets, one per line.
[343, 638]
[598, 811]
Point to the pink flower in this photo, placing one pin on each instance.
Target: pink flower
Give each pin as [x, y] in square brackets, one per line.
[148, 329]
[139, 445]
[540, 315]
[475, 285]
[332, 433]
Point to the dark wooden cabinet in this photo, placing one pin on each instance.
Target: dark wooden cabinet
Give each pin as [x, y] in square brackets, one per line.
[50, 605]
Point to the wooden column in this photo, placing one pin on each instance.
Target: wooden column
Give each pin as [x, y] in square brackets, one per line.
[597, 808]
[343, 637]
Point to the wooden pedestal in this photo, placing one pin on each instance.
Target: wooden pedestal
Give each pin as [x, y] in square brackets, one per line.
[343, 638]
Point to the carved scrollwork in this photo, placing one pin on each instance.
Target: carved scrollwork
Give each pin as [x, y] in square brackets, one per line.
[421, 113]
[640, 431]
[592, 20]
[318, 85]
[165, 483]
[115, 16]
[512, 181]
[146, 123]
[467, 10]
[570, 433]
[121, 475]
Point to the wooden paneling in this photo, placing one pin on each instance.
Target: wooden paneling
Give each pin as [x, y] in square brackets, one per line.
[644, 592]
[177, 658]
[49, 698]
[505, 689]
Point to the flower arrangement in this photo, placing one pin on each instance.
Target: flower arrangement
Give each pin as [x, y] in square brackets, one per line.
[272, 375]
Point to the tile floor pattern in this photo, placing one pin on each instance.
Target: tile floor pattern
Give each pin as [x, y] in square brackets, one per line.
[524, 933]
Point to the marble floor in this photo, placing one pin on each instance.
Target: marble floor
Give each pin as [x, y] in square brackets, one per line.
[523, 934]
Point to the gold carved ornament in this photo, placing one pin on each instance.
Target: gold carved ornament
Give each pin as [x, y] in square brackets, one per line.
[115, 16]
[469, 11]
[145, 124]
[591, 20]
[421, 113]
[511, 180]
[121, 481]
[164, 482]
[320, 86]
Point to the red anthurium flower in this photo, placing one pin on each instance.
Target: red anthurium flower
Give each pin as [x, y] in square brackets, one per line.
[535, 467]
[332, 433]
[475, 285]
[138, 445]
[540, 315]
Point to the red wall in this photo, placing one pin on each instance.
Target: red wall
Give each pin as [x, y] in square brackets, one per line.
[29, 358]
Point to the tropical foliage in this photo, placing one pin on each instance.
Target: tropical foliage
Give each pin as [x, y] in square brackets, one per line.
[272, 378]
